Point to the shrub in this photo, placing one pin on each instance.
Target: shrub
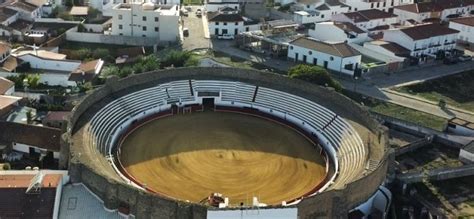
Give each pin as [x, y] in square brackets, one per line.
[314, 74]
[6, 166]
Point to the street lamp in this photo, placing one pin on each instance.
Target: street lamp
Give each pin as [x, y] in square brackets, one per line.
[355, 83]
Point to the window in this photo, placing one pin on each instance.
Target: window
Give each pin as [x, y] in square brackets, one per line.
[236, 23]
[224, 31]
[120, 17]
[157, 29]
[307, 6]
[349, 67]
[372, 5]
[378, 4]
[156, 19]
[143, 35]
[331, 58]
[384, 4]
[247, 29]
[322, 15]
[144, 28]
[225, 23]
[121, 34]
[120, 26]
[217, 23]
[291, 47]
[309, 52]
[144, 18]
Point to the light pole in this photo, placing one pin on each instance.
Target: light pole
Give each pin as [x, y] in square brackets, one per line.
[355, 83]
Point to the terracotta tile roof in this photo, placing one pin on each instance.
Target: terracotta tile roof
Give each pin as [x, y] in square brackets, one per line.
[349, 27]
[462, 122]
[367, 15]
[22, 205]
[57, 115]
[469, 21]
[23, 180]
[38, 136]
[395, 49]
[435, 6]
[338, 49]
[24, 6]
[4, 48]
[6, 13]
[5, 85]
[6, 101]
[11, 63]
[86, 71]
[220, 17]
[427, 31]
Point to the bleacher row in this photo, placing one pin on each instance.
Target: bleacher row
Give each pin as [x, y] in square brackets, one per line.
[349, 147]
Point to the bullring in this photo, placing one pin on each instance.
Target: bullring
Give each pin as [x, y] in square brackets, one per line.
[352, 143]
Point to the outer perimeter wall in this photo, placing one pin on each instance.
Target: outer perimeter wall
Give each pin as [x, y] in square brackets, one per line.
[86, 165]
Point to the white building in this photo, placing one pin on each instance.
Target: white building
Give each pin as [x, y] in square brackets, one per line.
[465, 26]
[229, 22]
[371, 20]
[146, 20]
[8, 16]
[338, 57]
[5, 51]
[217, 5]
[338, 32]
[423, 40]
[383, 5]
[426, 11]
[27, 11]
[318, 12]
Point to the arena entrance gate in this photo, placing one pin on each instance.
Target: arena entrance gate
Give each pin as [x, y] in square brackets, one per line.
[208, 103]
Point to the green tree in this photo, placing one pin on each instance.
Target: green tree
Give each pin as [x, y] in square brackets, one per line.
[125, 71]
[175, 58]
[29, 117]
[150, 63]
[314, 74]
[192, 61]
[100, 53]
[81, 54]
[33, 80]
[110, 70]
[6, 166]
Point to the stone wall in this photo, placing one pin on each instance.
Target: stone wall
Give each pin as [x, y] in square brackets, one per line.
[86, 165]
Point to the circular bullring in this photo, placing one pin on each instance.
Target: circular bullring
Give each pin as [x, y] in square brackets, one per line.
[151, 141]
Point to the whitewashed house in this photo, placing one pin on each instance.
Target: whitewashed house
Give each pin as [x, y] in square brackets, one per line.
[27, 11]
[465, 26]
[229, 22]
[218, 5]
[338, 32]
[146, 20]
[8, 16]
[432, 11]
[371, 20]
[5, 51]
[383, 5]
[338, 57]
[424, 40]
[318, 11]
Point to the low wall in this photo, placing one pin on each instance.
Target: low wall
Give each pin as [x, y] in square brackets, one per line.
[73, 35]
[88, 166]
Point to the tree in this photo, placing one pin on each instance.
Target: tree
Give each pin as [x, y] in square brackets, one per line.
[100, 53]
[110, 70]
[33, 80]
[150, 63]
[314, 74]
[176, 58]
[192, 61]
[29, 117]
[125, 71]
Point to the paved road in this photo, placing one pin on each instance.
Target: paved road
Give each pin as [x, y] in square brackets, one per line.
[196, 38]
[375, 86]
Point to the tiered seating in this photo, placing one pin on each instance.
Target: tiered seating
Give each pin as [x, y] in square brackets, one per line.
[350, 149]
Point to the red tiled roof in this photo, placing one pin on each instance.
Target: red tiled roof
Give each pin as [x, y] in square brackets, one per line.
[5, 85]
[469, 21]
[367, 15]
[57, 115]
[38, 136]
[395, 48]
[337, 49]
[427, 31]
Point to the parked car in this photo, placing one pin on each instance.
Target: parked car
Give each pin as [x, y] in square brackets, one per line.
[465, 58]
[225, 37]
[186, 32]
[198, 12]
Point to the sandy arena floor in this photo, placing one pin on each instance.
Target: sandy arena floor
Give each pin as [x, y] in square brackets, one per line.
[188, 157]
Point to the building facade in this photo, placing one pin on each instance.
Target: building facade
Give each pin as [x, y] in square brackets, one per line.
[146, 20]
[338, 57]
